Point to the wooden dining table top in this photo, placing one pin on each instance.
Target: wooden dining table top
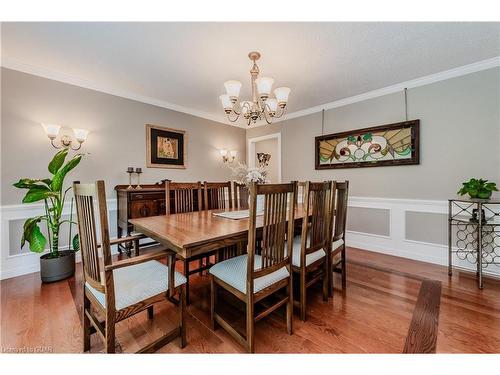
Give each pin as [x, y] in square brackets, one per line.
[196, 232]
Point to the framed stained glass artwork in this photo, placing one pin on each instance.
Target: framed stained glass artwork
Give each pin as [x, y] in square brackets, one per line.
[165, 147]
[393, 144]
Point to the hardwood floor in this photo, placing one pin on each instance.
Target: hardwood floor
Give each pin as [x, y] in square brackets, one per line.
[422, 334]
[391, 305]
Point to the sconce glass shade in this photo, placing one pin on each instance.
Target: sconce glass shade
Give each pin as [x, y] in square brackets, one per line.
[52, 130]
[233, 153]
[223, 152]
[272, 104]
[281, 94]
[81, 134]
[264, 85]
[233, 88]
[226, 102]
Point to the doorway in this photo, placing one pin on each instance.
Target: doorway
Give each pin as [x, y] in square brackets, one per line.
[270, 145]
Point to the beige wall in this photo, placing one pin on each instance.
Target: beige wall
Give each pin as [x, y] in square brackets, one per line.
[460, 138]
[269, 146]
[117, 138]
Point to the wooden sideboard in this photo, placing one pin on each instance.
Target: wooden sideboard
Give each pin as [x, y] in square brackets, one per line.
[137, 203]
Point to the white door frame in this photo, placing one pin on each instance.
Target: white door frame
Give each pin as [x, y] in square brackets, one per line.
[251, 150]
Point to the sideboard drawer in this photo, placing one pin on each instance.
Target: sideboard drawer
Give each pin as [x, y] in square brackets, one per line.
[146, 196]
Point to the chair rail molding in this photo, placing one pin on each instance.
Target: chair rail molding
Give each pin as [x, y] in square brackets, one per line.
[396, 243]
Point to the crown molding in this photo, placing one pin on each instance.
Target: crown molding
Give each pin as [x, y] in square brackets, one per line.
[422, 81]
[39, 71]
[15, 64]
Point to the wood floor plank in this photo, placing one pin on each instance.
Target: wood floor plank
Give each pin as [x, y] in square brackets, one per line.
[422, 334]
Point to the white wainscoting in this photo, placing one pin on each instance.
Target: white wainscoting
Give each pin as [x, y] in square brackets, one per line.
[28, 262]
[393, 244]
[396, 243]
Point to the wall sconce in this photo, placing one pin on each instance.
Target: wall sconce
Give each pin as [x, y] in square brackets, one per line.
[228, 156]
[52, 131]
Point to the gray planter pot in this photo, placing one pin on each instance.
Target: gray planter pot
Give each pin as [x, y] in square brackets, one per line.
[55, 269]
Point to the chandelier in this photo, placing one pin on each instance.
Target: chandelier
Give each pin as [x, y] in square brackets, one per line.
[262, 105]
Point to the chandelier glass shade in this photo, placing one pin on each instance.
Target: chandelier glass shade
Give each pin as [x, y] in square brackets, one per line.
[262, 106]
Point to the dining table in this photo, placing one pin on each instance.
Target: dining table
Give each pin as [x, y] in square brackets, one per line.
[200, 232]
[193, 234]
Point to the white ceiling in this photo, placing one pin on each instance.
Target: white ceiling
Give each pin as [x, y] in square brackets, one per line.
[186, 63]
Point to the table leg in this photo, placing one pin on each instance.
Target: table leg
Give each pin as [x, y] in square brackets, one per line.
[186, 273]
[119, 233]
[449, 239]
[480, 246]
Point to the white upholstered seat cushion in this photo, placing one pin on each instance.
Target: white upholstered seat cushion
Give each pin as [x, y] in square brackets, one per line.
[310, 258]
[234, 272]
[137, 283]
[337, 244]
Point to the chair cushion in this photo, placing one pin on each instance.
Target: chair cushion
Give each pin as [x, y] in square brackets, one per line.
[137, 283]
[337, 244]
[310, 258]
[234, 272]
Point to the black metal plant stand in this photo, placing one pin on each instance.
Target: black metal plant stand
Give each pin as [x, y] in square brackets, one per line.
[477, 225]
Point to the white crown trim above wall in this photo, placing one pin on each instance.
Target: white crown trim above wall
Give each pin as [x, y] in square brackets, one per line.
[399, 87]
[422, 81]
[77, 81]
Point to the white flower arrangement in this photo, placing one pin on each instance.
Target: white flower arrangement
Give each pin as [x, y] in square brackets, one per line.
[244, 175]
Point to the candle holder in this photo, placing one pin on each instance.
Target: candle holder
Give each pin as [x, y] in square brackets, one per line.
[130, 171]
[138, 171]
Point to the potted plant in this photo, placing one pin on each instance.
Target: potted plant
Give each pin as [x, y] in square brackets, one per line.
[478, 188]
[57, 264]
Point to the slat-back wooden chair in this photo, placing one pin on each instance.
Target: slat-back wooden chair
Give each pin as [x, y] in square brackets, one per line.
[340, 197]
[187, 197]
[240, 196]
[309, 260]
[252, 277]
[215, 194]
[125, 287]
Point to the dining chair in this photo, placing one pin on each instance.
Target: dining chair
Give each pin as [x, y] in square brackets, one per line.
[122, 288]
[215, 194]
[252, 277]
[340, 196]
[309, 260]
[187, 197]
[182, 197]
[240, 196]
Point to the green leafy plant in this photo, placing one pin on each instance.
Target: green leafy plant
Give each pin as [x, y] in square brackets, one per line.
[49, 190]
[478, 188]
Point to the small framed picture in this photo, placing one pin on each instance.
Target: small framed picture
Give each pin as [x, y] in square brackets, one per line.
[165, 147]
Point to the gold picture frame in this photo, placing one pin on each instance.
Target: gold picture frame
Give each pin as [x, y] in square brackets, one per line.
[165, 147]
